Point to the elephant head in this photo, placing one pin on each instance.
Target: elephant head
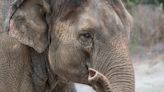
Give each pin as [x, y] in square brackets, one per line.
[78, 34]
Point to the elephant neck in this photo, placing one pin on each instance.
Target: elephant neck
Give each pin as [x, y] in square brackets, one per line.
[43, 77]
[54, 82]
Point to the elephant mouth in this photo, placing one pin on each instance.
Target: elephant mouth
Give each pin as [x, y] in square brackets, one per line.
[84, 76]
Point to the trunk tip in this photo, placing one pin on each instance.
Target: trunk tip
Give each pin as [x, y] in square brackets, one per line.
[92, 74]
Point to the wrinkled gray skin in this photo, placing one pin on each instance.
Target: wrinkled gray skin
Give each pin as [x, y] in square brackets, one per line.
[53, 43]
[99, 81]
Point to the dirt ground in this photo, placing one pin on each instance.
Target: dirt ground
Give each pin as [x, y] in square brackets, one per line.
[149, 74]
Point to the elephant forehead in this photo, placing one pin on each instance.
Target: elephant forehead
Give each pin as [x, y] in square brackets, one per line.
[90, 18]
[87, 22]
[100, 15]
[96, 14]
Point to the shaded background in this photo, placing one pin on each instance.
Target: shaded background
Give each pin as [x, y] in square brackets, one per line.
[146, 45]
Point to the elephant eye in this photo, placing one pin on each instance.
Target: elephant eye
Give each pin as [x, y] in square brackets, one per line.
[86, 38]
[87, 35]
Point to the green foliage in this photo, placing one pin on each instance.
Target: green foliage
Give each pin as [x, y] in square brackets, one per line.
[161, 1]
[135, 2]
[132, 2]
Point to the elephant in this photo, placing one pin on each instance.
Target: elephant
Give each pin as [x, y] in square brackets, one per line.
[48, 45]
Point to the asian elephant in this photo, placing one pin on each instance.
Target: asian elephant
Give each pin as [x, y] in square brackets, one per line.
[49, 44]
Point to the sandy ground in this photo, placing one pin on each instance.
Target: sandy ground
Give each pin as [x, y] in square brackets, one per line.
[149, 75]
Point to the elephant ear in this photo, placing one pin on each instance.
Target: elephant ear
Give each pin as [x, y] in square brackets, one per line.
[122, 12]
[27, 23]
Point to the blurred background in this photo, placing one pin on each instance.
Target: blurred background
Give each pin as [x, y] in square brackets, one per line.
[146, 45]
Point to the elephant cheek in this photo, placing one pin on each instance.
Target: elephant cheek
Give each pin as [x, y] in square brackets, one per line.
[68, 64]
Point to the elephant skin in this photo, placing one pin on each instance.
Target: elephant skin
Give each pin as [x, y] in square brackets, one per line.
[98, 81]
[50, 44]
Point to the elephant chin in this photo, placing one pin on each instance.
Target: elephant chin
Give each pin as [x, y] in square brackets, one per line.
[98, 81]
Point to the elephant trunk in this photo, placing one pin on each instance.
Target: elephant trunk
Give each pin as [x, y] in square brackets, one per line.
[112, 60]
[119, 73]
[98, 81]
